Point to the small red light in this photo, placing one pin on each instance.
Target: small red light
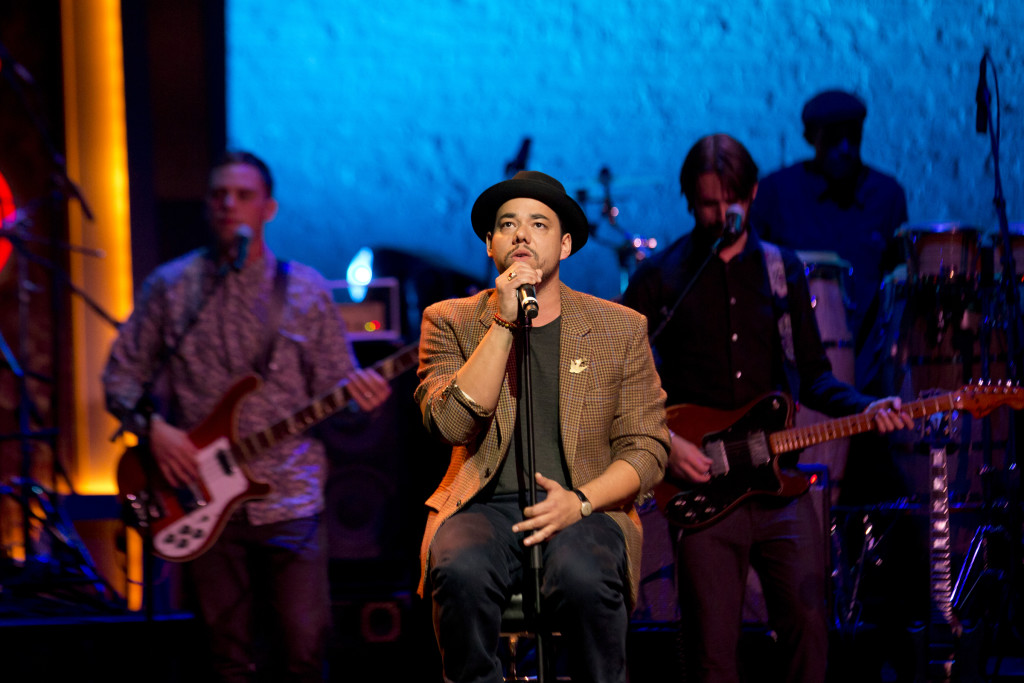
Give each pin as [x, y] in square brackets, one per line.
[7, 213]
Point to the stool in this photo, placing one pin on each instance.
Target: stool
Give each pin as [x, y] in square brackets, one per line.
[515, 625]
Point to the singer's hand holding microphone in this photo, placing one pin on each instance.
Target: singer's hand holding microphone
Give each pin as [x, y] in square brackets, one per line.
[517, 286]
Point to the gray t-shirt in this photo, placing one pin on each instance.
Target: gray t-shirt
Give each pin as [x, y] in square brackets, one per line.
[550, 457]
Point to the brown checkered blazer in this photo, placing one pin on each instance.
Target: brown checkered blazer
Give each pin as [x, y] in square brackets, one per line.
[611, 404]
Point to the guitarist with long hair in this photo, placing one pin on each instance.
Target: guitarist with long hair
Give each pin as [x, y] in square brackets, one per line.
[730, 320]
[200, 323]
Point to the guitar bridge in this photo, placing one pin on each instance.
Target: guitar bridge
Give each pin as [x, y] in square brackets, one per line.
[190, 497]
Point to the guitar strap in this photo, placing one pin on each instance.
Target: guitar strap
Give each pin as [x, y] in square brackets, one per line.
[277, 297]
[780, 303]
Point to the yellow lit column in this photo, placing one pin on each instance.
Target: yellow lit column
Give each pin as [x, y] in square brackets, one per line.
[97, 160]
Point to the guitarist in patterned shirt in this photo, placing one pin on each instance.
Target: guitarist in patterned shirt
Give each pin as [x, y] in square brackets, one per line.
[200, 323]
[720, 347]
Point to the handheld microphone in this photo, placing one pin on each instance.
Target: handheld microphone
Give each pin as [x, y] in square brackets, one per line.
[242, 238]
[733, 223]
[528, 300]
[981, 97]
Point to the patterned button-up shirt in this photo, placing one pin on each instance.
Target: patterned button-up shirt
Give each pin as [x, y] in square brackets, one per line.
[228, 341]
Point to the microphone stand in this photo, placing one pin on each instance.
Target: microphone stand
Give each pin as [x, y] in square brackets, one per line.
[669, 313]
[142, 512]
[1010, 295]
[535, 561]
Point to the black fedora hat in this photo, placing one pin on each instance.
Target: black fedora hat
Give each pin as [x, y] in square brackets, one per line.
[532, 185]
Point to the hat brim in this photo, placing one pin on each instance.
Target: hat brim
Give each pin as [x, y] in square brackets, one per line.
[570, 215]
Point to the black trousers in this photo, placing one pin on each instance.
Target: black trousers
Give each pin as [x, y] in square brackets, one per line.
[783, 542]
[476, 563]
[282, 565]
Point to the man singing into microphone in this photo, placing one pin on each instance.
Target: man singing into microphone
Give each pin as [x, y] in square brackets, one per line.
[599, 437]
[200, 323]
[744, 328]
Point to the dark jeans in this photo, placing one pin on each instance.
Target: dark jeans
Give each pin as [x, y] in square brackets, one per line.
[783, 543]
[476, 562]
[275, 569]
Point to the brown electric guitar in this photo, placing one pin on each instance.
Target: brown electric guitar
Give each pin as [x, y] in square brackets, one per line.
[184, 522]
[744, 446]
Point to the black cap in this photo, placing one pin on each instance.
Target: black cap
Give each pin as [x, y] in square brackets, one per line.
[834, 106]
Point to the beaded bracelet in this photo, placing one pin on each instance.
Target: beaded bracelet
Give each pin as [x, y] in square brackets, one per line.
[504, 323]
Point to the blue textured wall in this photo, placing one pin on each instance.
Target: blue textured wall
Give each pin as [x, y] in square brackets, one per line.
[384, 120]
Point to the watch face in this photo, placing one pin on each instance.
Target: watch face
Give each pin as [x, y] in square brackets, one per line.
[586, 508]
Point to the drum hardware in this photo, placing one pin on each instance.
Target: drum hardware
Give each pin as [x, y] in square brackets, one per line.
[994, 240]
[827, 276]
[941, 253]
[46, 535]
[1008, 299]
[39, 523]
[944, 311]
[859, 537]
[51, 555]
[976, 591]
[633, 248]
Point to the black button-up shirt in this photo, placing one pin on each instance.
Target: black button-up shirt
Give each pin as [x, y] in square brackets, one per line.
[722, 348]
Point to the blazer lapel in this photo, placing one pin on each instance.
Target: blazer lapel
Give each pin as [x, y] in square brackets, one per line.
[574, 374]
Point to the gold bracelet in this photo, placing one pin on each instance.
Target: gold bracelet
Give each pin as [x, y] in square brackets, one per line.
[468, 401]
[504, 323]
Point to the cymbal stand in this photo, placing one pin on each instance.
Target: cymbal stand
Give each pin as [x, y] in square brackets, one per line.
[64, 189]
[848, 607]
[633, 248]
[39, 512]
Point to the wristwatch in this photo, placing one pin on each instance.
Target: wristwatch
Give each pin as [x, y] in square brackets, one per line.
[586, 507]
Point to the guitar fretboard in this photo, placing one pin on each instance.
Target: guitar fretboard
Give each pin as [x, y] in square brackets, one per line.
[803, 437]
[322, 408]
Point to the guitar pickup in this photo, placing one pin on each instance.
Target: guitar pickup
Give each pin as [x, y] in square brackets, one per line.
[227, 465]
[760, 452]
[719, 458]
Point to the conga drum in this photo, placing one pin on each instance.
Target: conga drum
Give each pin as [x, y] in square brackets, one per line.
[939, 338]
[826, 278]
[941, 253]
[941, 343]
